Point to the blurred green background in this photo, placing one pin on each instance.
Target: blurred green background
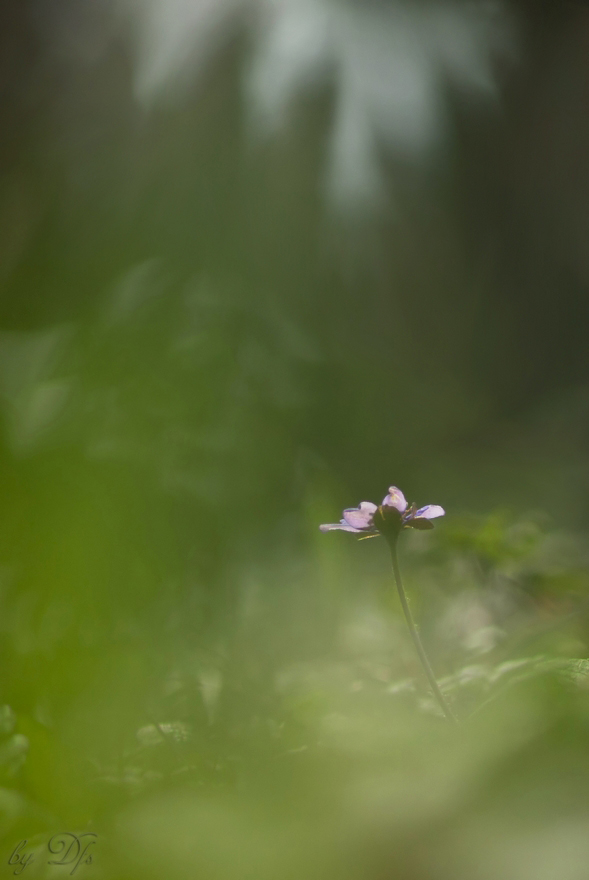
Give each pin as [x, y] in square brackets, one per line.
[259, 259]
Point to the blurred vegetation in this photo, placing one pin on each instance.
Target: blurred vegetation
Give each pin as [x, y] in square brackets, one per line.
[257, 262]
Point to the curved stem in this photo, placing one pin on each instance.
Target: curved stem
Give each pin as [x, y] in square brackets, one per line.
[415, 635]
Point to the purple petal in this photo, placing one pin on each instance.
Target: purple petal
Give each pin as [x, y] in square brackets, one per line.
[395, 499]
[342, 526]
[360, 517]
[430, 511]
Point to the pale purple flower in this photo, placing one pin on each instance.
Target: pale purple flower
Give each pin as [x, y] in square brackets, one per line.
[387, 519]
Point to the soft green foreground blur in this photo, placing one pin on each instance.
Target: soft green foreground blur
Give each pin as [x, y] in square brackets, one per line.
[254, 270]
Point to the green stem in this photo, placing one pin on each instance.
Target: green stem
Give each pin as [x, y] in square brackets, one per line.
[415, 635]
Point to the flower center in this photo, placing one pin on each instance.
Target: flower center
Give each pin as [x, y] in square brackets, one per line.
[388, 521]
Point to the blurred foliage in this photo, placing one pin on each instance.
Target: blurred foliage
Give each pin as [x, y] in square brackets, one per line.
[258, 261]
[308, 743]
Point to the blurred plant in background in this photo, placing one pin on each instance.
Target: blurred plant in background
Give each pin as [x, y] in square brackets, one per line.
[387, 63]
[255, 258]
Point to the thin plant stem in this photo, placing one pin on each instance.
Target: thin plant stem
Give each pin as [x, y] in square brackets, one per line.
[415, 635]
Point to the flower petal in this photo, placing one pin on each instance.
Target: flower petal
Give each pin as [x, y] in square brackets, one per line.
[342, 526]
[418, 522]
[395, 499]
[430, 511]
[360, 517]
